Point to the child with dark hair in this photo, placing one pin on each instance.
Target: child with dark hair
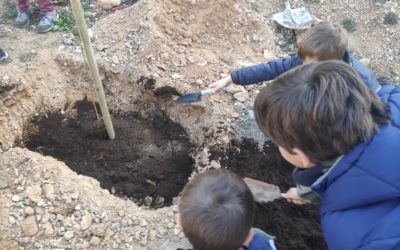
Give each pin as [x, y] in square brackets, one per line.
[216, 212]
[345, 142]
[323, 41]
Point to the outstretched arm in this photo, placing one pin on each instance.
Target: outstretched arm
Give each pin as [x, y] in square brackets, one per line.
[264, 71]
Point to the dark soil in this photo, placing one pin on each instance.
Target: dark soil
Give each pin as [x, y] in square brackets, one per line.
[149, 156]
[295, 227]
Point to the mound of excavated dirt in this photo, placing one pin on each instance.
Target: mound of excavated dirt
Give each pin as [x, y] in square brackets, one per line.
[149, 158]
[295, 227]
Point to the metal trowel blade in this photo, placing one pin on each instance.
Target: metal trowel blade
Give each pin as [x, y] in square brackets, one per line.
[263, 192]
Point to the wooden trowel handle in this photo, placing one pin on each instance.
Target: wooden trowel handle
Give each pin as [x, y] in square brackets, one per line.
[207, 92]
[262, 191]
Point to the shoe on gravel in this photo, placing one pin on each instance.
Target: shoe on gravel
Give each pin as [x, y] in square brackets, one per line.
[22, 19]
[47, 20]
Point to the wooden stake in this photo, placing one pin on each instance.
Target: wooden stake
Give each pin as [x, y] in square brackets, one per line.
[87, 46]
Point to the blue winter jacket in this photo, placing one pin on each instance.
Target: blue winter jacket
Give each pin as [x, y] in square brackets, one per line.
[272, 69]
[360, 206]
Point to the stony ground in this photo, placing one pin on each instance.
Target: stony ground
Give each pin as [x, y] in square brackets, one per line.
[153, 50]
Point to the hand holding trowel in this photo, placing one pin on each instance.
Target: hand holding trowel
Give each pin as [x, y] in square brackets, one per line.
[195, 97]
[264, 192]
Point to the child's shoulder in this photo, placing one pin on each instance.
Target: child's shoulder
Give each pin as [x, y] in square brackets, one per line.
[261, 240]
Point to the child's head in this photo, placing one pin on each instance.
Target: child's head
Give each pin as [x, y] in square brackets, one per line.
[216, 211]
[319, 111]
[324, 41]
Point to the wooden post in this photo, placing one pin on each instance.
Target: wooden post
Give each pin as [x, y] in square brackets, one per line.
[87, 46]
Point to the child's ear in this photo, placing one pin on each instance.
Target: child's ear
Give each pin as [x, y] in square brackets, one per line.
[178, 220]
[305, 159]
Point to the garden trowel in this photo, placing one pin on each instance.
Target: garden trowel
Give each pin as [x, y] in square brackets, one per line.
[194, 97]
[263, 192]
[298, 18]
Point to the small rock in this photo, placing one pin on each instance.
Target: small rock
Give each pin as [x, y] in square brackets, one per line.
[365, 61]
[34, 193]
[75, 195]
[12, 220]
[29, 211]
[108, 4]
[153, 234]
[48, 190]
[16, 198]
[69, 235]
[143, 223]
[86, 222]
[148, 200]
[115, 226]
[251, 114]
[115, 59]
[48, 229]
[268, 54]
[95, 241]
[161, 232]
[159, 202]
[241, 96]
[3, 185]
[215, 164]
[90, 32]
[24, 242]
[45, 218]
[98, 230]
[85, 244]
[176, 76]
[176, 231]
[29, 226]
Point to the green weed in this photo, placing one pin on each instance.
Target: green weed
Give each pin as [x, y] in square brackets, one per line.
[10, 13]
[349, 24]
[66, 21]
[392, 72]
[85, 5]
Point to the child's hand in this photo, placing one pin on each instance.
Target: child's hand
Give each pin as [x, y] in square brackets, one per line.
[218, 85]
[292, 196]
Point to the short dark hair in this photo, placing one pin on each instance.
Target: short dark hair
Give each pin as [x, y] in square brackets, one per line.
[216, 211]
[323, 109]
[324, 41]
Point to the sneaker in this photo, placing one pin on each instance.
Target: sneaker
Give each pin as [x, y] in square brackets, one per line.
[23, 18]
[3, 55]
[47, 20]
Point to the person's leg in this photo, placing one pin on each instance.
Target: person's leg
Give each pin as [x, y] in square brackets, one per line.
[48, 16]
[22, 5]
[45, 5]
[23, 13]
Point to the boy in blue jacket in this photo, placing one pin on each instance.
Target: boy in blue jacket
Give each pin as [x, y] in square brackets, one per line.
[345, 142]
[324, 41]
[216, 212]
